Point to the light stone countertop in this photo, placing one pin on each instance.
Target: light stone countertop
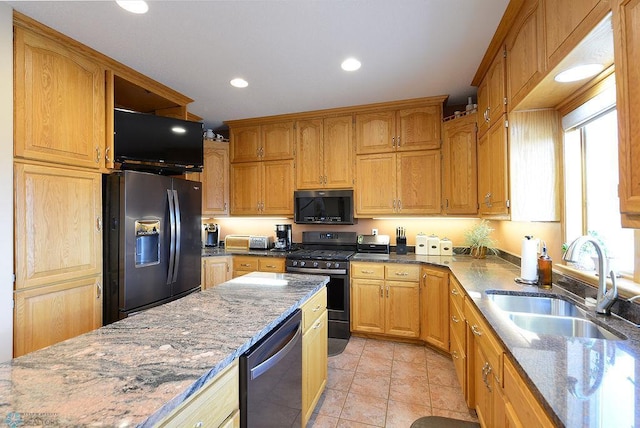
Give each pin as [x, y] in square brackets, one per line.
[136, 371]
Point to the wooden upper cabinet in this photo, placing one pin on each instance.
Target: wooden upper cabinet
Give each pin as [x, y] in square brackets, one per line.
[567, 22]
[459, 166]
[418, 182]
[375, 184]
[375, 132]
[278, 141]
[324, 153]
[58, 224]
[626, 21]
[245, 187]
[277, 187]
[402, 130]
[492, 101]
[215, 178]
[419, 128]
[526, 62]
[59, 103]
[245, 144]
[309, 154]
[493, 170]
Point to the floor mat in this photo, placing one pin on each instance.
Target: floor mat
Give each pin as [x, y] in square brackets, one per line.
[336, 346]
[441, 422]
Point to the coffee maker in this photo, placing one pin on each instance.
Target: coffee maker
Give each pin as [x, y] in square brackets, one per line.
[283, 237]
[211, 235]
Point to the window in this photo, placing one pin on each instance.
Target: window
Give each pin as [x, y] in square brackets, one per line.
[592, 205]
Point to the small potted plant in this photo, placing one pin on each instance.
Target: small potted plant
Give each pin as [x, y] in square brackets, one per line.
[479, 240]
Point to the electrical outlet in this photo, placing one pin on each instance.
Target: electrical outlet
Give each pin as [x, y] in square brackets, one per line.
[374, 231]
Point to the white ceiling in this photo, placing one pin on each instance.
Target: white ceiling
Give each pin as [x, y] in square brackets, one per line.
[289, 50]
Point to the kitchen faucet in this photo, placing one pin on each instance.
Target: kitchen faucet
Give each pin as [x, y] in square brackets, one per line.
[605, 299]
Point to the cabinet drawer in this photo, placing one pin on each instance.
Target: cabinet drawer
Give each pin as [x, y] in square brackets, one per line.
[402, 272]
[485, 339]
[367, 270]
[248, 264]
[211, 405]
[458, 326]
[313, 308]
[271, 264]
[459, 357]
[457, 293]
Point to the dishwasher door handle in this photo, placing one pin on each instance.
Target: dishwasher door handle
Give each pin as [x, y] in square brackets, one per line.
[261, 368]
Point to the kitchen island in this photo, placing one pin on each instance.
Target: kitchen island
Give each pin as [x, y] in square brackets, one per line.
[138, 370]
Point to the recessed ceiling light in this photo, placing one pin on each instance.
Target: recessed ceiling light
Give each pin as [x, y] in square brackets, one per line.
[239, 83]
[134, 6]
[578, 73]
[350, 64]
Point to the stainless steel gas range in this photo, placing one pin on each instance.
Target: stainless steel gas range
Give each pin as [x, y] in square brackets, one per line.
[328, 253]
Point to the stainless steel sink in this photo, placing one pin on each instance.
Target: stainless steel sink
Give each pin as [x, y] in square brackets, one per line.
[562, 326]
[536, 305]
[549, 315]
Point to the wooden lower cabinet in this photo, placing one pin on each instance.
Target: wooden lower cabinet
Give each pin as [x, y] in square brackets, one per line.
[214, 405]
[434, 307]
[247, 264]
[47, 315]
[315, 329]
[521, 407]
[215, 270]
[385, 301]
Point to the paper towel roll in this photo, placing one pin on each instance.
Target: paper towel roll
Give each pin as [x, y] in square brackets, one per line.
[529, 259]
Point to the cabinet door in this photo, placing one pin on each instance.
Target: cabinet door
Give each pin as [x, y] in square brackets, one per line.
[58, 224]
[459, 166]
[418, 182]
[402, 311]
[314, 365]
[493, 185]
[338, 152]
[60, 103]
[483, 388]
[375, 184]
[483, 105]
[309, 154]
[367, 305]
[51, 314]
[525, 53]
[278, 140]
[626, 21]
[567, 22]
[246, 193]
[215, 179]
[245, 144]
[277, 187]
[419, 128]
[375, 132]
[434, 308]
[216, 271]
[496, 81]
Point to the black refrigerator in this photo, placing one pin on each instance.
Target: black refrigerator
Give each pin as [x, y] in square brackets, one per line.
[152, 241]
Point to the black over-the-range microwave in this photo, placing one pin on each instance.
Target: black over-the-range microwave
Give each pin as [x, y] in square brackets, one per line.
[323, 207]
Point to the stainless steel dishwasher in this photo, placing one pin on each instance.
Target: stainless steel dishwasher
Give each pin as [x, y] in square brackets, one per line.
[271, 377]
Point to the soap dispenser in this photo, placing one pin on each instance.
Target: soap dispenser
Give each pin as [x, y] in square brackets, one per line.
[544, 268]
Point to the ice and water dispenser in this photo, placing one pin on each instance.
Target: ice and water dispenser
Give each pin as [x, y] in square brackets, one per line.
[147, 242]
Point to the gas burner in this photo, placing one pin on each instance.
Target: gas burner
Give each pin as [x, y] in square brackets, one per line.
[320, 255]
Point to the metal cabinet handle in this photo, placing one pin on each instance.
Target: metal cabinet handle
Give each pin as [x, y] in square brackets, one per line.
[402, 273]
[398, 140]
[316, 309]
[455, 319]
[381, 291]
[393, 142]
[387, 291]
[99, 224]
[399, 205]
[454, 354]
[454, 291]
[367, 271]
[245, 265]
[98, 290]
[476, 330]
[318, 325]
[106, 154]
[270, 266]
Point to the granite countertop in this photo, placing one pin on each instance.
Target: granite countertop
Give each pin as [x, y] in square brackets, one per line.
[218, 252]
[581, 382]
[136, 371]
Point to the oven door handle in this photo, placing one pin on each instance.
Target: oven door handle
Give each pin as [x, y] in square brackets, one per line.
[317, 271]
[258, 370]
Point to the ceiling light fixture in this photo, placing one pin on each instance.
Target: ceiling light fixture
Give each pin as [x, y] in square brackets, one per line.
[350, 64]
[239, 83]
[134, 6]
[579, 72]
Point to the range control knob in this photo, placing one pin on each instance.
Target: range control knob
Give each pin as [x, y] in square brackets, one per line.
[315, 264]
[302, 264]
[294, 263]
[336, 265]
[328, 265]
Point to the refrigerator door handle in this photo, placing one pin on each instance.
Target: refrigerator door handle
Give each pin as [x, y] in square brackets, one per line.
[176, 264]
[172, 237]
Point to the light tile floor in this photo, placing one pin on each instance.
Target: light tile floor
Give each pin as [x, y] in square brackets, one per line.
[376, 383]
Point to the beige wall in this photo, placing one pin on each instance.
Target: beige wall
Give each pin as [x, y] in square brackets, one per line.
[6, 182]
[510, 234]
